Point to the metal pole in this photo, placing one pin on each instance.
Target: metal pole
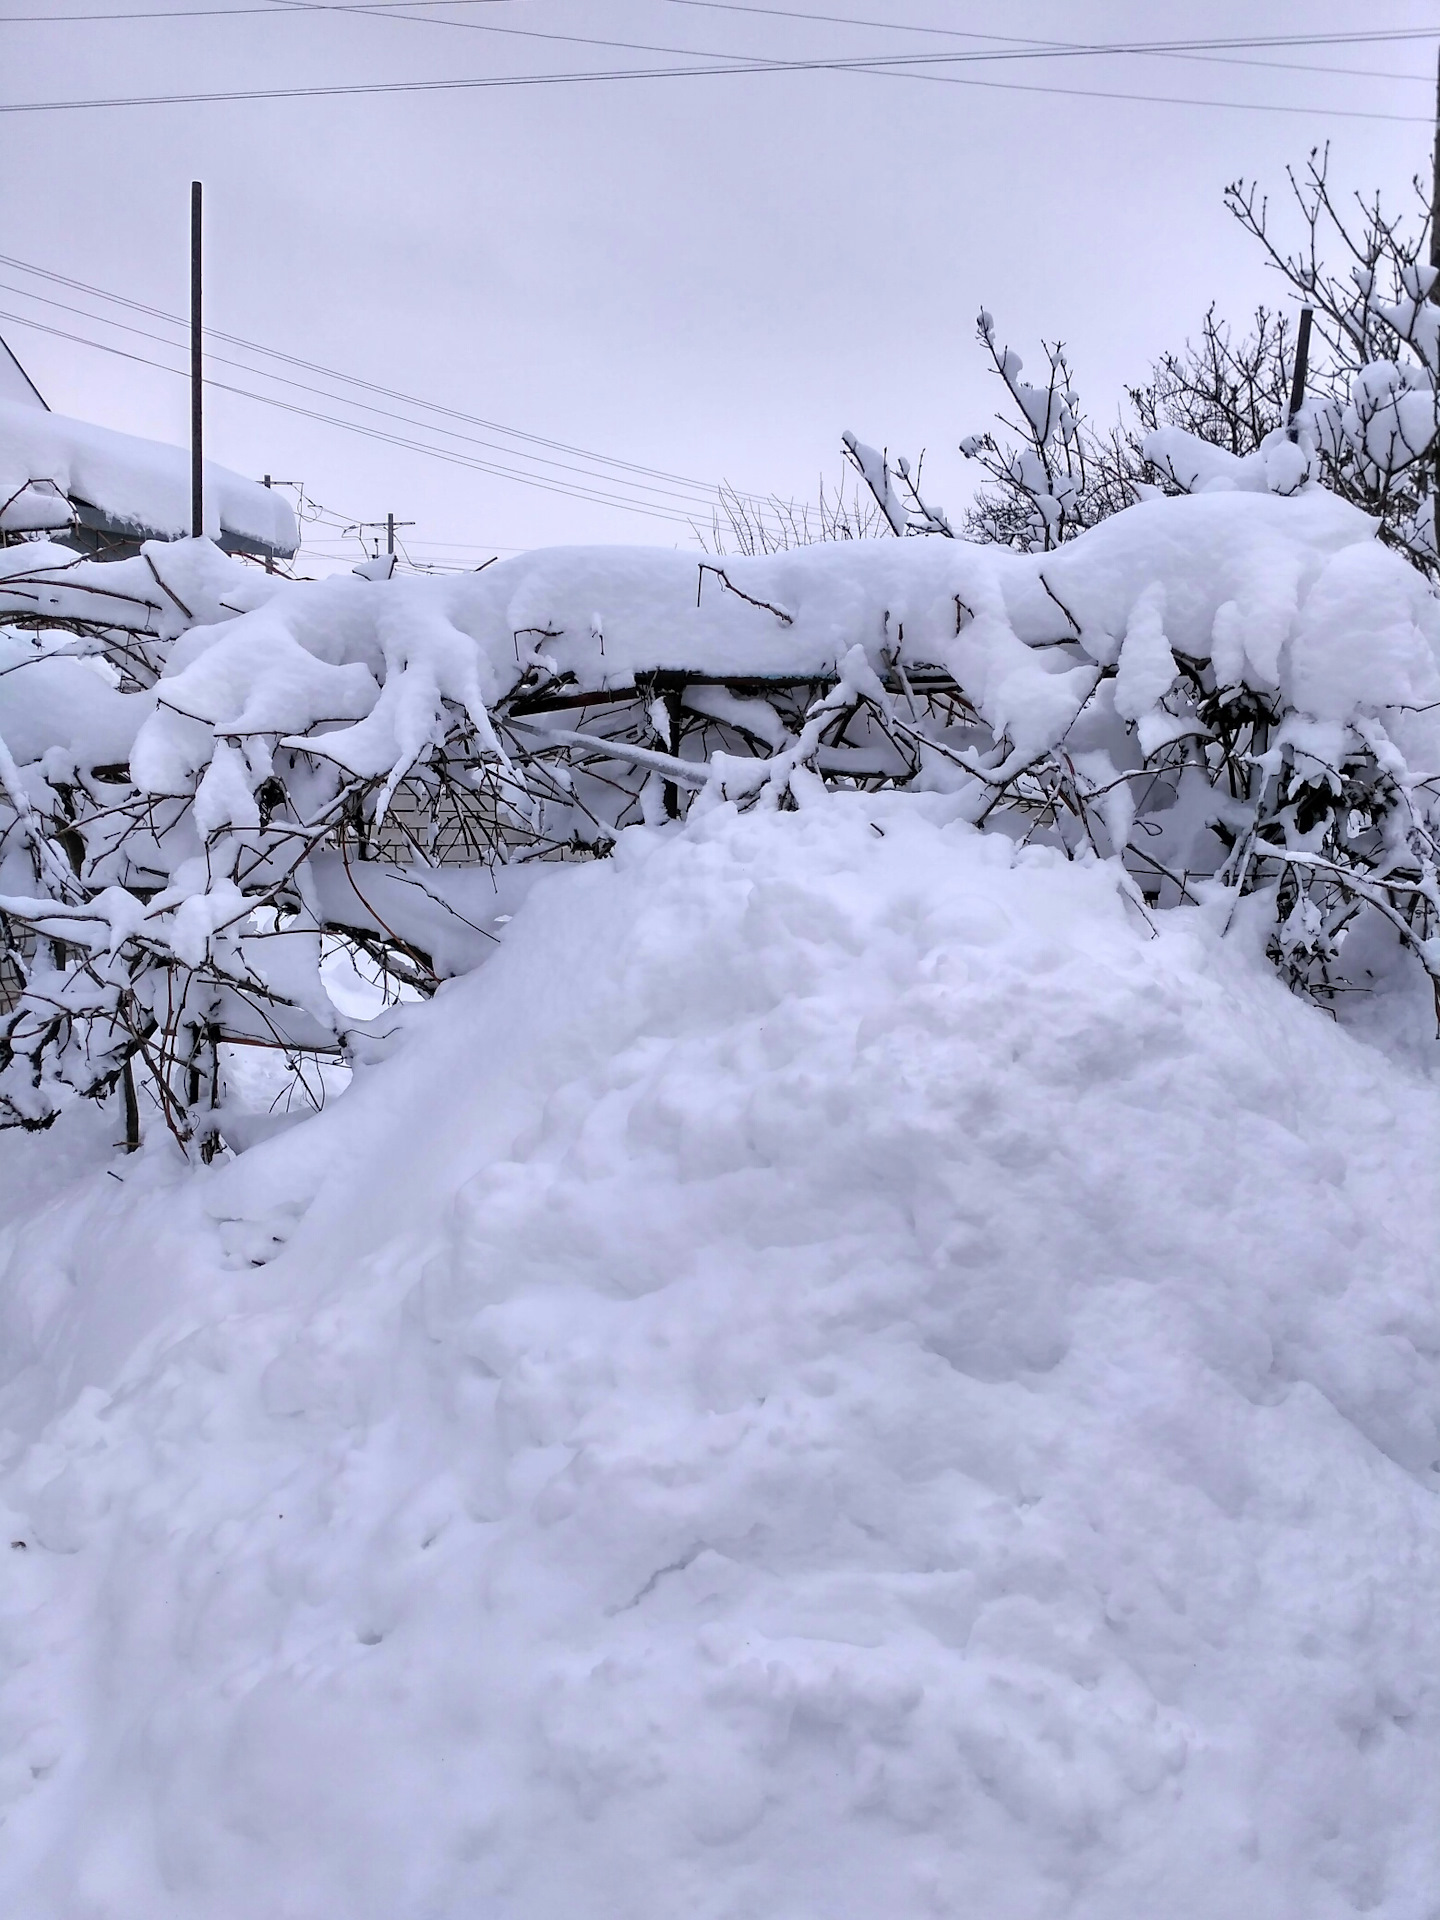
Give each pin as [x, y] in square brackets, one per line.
[1302, 365]
[390, 533]
[197, 376]
[269, 558]
[1435, 289]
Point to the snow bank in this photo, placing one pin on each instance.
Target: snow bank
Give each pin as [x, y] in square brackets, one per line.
[840, 1373]
[138, 484]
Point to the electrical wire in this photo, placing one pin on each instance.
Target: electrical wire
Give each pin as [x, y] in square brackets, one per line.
[703, 497]
[1010, 40]
[1009, 47]
[621, 467]
[545, 484]
[900, 66]
[378, 7]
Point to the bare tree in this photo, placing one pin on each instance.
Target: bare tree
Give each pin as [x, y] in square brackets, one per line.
[1374, 380]
[1227, 392]
[1369, 429]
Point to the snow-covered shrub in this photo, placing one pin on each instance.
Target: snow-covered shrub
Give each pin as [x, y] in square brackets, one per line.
[1216, 413]
[208, 774]
[1373, 415]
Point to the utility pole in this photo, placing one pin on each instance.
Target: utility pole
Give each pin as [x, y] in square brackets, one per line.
[388, 526]
[197, 375]
[1435, 288]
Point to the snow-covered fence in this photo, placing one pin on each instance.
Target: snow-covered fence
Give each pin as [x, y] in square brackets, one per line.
[208, 774]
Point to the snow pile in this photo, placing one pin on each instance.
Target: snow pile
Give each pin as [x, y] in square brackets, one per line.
[841, 1373]
[47, 460]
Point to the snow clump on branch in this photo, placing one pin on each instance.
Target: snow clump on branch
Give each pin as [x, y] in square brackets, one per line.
[211, 778]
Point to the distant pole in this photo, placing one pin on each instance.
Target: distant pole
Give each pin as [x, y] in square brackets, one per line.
[389, 526]
[1435, 289]
[269, 558]
[197, 375]
[1302, 368]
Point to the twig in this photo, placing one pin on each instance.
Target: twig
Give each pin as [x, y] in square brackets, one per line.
[164, 585]
[708, 566]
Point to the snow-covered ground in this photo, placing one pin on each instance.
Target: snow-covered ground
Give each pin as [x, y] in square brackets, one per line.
[842, 1376]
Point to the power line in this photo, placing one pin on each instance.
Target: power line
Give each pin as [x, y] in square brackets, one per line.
[1053, 46]
[1006, 47]
[702, 495]
[378, 7]
[1009, 47]
[900, 66]
[622, 467]
[1003, 47]
[1343, 37]
[545, 484]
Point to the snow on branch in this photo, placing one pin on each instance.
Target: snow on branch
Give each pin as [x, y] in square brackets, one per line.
[209, 777]
[896, 491]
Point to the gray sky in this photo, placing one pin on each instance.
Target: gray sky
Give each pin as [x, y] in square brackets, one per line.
[712, 276]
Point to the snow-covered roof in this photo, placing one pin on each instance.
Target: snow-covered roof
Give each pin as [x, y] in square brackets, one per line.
[135, 488]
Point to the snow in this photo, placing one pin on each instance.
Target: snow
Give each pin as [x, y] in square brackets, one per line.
[1278, 465]
[842, 1366]
[166, 588]
[51, 700]
[245, 717]
[383, 655]
[844, 1371]
[140, 484]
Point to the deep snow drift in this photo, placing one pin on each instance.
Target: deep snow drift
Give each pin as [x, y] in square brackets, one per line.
[842, 1374]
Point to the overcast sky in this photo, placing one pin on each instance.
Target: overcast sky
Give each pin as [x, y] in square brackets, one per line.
[709, 275]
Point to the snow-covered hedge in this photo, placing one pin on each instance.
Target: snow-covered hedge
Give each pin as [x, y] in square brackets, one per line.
[209, 774]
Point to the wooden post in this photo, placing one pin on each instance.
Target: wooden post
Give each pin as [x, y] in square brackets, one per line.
[132, 1107]
[197, 375]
